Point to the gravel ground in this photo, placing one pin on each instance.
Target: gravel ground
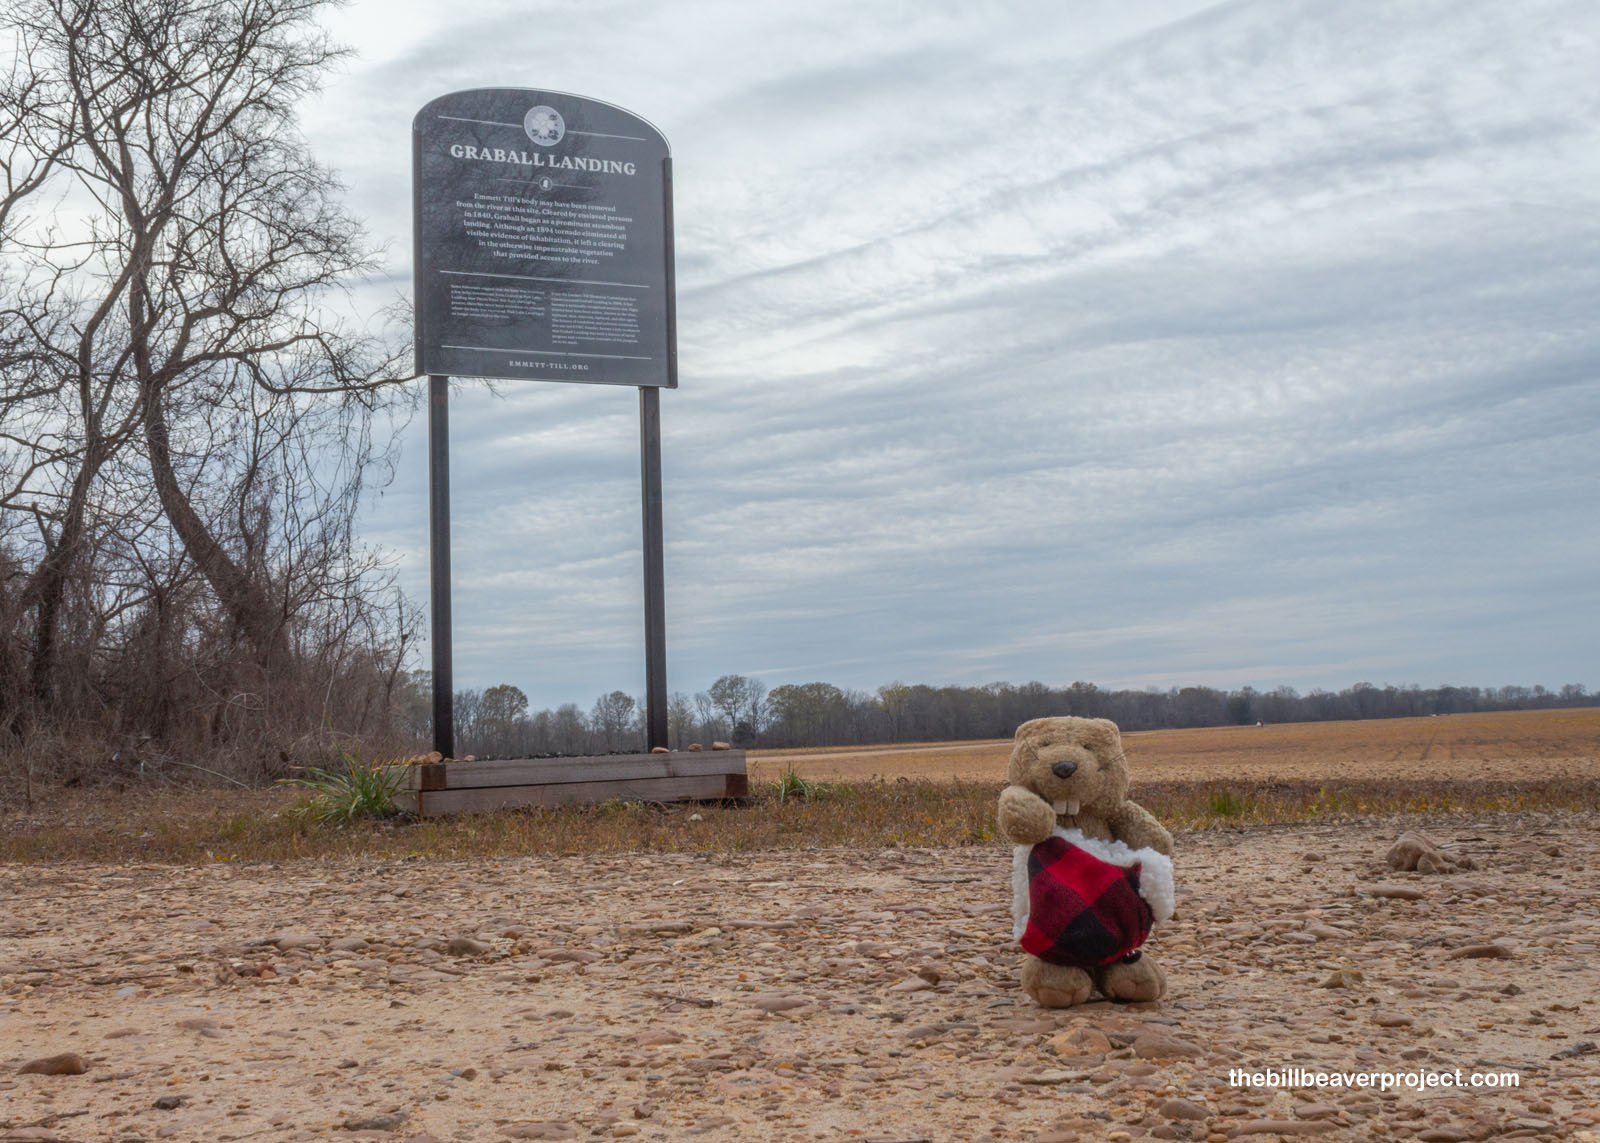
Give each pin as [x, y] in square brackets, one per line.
[810, 995]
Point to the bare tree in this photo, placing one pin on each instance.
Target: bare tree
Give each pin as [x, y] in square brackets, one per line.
[613, 720]
[571, 732]
[503, 708]
[179, 404]
[893, 697]
[742, 704]
[680, 719]
[706, 711]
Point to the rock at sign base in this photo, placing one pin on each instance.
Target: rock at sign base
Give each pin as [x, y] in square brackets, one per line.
[695, 746]
[720, 746]
[659, 750]
[66, 1064]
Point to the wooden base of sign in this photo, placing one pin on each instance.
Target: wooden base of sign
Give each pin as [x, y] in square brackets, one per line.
[434, 788]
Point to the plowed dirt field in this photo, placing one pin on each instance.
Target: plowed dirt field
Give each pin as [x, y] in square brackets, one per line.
[1458, 747]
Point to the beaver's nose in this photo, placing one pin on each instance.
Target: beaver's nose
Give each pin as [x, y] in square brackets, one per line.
[1064, 769]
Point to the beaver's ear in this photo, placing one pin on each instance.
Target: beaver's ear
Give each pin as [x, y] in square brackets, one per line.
[1101, 734]
[1033, 728]
[1023, 756]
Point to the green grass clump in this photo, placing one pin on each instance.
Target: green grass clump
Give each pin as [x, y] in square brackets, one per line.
[1224, 804]
[792, 785]
[348, 792]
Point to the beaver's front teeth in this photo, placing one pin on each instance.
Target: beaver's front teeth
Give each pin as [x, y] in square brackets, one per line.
[1068, 808]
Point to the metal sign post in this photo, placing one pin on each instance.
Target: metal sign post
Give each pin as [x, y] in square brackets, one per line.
[444, 727]
[655, 589]
[543, 252]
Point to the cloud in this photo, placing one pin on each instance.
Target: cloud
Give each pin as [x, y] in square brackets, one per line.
[1247, 342]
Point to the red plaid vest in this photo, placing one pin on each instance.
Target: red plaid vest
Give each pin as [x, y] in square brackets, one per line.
[1082, 911]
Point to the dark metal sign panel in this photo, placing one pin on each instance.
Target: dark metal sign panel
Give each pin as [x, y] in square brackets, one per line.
[543, 240]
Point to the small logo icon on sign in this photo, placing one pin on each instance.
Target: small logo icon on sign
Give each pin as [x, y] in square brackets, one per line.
[544, 125]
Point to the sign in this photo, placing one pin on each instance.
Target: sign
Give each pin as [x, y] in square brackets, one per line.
[543, 240]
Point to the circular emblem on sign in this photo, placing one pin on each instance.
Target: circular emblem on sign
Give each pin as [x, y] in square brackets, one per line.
[544, 125]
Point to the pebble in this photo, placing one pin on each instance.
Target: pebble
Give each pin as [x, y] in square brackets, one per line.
[287, 941]
[1397, 892]
[1281, 1127]
[1082, 1041]
[1416, 850]
[386, 1122]
[1581, 1048]
[659, 1038]
[466, 946]
[1183, 1109]
[655, 928]
[541, 1130]
[1343, 978]
[1314, 1110]
[1391, 1019]
[66, 1064]
[1156, 1046]
[1051, 1079]
[563, 955]
[1480, 952]
[785, 1003]
[1443, 1135]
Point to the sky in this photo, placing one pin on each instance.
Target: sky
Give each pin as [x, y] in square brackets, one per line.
[1148, 343]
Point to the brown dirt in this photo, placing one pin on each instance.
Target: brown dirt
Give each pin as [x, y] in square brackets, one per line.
[1459, 747]
[773, 996]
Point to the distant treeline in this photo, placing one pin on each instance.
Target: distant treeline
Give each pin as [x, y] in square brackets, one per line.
[744, 712]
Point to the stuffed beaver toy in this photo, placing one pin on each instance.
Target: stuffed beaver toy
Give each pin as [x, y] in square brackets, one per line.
[1091, 871]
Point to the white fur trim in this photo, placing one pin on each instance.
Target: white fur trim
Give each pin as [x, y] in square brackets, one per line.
[1155, 875]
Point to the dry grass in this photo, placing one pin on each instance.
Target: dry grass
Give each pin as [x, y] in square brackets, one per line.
[943, 795]
[197, 827]
[203, 826]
